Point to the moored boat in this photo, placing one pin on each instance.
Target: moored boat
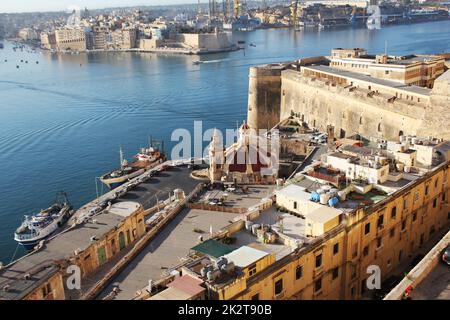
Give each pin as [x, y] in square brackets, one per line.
[144, 160]
[42, 225]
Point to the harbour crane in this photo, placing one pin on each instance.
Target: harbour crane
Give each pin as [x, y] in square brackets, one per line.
[294, 13]
[236, 5]
[265, 8]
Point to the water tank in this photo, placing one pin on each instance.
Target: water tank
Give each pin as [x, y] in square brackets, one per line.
[414, 140]
[400, 166]
[315, 196]
[333, 202]
[333, 192]
[280, 182]
[324, 197]
[326, 188]
[248, 225]
[179, 194]
[320, 191]
[213, 275]
[220, 262]
[228, 268]
[407, 169]
[255, 227]
[342, 195]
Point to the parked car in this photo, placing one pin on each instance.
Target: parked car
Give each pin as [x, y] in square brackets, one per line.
[446, 255]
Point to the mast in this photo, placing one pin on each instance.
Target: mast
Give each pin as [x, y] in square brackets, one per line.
[121, 156]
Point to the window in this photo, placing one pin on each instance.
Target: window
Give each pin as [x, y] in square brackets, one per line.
[335, 273]
[295, 204]
[434, 203]
[414, 216]
[335, 248]
[403, 224]
[379, 242]
[255, 297]
[400, 255]
[436, 182]
[318, 285]
[432, 230]
[380, 221]
[366, 251]
[355, 250]
[279, 287]
[318, 260]
[46, 290]
[252, 270]
[394, 213]
[405, 204]
[392, 233]
[298, 272]
[367, 228]
[426, 190]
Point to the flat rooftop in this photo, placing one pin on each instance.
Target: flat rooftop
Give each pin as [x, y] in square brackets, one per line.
[64, 244]
[369, 79]
[167, 249]
[61, 247]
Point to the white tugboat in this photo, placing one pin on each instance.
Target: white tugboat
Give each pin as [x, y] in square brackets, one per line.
[40, 226]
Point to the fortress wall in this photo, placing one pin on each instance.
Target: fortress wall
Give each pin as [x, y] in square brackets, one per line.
[264, 96]
[349, 112]
[437, 121]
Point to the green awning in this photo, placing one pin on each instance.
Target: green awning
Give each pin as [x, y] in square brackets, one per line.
[213, 248]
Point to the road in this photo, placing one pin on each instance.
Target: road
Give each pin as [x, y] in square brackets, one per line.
[436, 286]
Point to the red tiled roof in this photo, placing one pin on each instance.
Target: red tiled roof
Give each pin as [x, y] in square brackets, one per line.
[187, 284]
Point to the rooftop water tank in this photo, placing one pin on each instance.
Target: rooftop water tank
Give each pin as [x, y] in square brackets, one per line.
[228, 268]
[248, 225]
[324, 197]
[315, 196]
[255, 227]
[342, 195]
[333, 202]
[213, 275]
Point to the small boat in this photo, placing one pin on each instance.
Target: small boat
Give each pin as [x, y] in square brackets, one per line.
[1, 46]
[197, 62]
[252, 45]
[144, 160]
[40, 226]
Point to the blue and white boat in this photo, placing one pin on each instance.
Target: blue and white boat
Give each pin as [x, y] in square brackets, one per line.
[42, 225]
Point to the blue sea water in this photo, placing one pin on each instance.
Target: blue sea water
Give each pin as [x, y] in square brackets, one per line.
[63, 119]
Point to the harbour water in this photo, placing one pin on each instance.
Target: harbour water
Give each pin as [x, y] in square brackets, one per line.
[64, 117]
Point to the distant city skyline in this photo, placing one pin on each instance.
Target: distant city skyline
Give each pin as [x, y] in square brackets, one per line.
[61, 5]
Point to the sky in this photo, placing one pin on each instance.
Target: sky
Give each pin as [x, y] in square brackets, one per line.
[60, 5]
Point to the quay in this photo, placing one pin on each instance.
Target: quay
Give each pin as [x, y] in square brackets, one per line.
[91, 229]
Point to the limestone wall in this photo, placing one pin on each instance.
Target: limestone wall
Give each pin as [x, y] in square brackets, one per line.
[355, 111]
[264, 96]
[208, 41]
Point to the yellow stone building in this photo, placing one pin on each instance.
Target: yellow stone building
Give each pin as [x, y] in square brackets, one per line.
[382, 227]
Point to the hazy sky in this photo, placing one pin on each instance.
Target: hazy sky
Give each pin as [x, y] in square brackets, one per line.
[58, 5]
